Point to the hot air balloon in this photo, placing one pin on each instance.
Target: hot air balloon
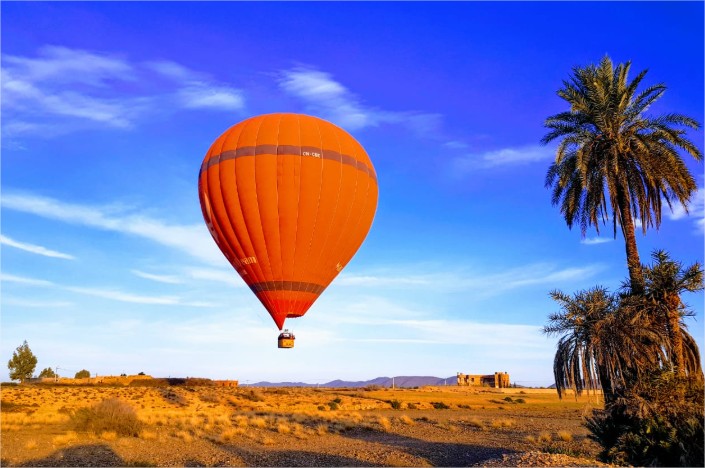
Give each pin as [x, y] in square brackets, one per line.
[288, 199]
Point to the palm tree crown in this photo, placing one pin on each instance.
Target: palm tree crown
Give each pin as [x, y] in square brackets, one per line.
[612, 160]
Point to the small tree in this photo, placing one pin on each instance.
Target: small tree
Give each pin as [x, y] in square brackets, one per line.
[82, 374]
[22, 364]
[47, 372]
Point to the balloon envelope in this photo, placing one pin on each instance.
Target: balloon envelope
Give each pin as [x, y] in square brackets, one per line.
[288, 199]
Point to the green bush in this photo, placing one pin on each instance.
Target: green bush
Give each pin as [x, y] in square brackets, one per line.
[82, 374]
[108, 415]
[395, 404]
[333, 405]
[657, 423]
[439, 405]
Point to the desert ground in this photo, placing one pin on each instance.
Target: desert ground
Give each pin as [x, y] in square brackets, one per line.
[219, 426]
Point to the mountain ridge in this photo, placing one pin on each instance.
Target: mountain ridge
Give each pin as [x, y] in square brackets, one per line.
[397, 381]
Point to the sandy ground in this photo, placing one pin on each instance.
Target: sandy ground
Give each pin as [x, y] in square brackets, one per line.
[204, 426]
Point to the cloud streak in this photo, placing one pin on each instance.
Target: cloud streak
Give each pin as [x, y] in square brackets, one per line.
[483, 283]
[62, 89]
[192, 239]
[111, 294]
[325, 96]
[595, 240]
[169, 279]
[511, 156]
[35, 249]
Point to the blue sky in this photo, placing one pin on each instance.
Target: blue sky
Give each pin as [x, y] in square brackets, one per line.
[109, 108]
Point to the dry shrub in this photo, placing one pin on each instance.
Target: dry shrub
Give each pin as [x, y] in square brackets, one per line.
[148, 435]
[240, 421]
[474, 422]
[406, 420]
[185, 436]
[108, 415]
[258, 422]
[565, 436]
[384, 423]
[497, 423]
[64, 439]
[109, 435]
[32, 444]
[283, 428]
[321, 429]
[299, 431]
[531, 439]
[544, 437]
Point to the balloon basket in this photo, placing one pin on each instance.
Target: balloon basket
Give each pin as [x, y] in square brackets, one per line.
[286, 339]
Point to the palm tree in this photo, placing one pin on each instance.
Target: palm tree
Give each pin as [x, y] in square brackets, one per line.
[612, 160]
[665, 281]
[603, 344]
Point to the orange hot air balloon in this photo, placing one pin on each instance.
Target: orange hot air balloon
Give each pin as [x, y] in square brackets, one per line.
[289, 199]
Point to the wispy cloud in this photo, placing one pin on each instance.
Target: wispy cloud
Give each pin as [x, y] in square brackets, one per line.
[595, 240]
[191, 239]
[227, 276]
[11, 301]
[107, 293]
[8, 278]
[169, 279]
[485, 283]
[35, 249]
[329, 98]
[502, 157]
[62, 89]
[121, 296]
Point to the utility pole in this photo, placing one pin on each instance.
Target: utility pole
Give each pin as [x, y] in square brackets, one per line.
[392, 383]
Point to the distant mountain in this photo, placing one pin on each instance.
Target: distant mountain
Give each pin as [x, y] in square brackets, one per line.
[398, 381]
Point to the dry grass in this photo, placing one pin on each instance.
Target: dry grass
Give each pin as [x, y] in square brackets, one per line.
[258, 419]
[502, 422]
[384, 423]
[30, 444]
[474, 422]
[404, 419]
[111, 415]
[65, 439]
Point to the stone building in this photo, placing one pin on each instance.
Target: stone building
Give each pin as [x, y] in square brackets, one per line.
[498, 380]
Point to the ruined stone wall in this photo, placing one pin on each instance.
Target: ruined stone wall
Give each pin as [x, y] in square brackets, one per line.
[225, 383]
[496, 380]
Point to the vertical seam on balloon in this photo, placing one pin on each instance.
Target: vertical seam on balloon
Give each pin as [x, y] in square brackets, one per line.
[279, 217]
[247, 229]
[259, 211]
[297, 295]
[318, 206]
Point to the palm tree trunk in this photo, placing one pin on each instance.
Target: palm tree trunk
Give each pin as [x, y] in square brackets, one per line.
[672, 302]
[636, 275]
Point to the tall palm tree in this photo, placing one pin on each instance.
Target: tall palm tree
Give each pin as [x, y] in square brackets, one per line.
[612, 160]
